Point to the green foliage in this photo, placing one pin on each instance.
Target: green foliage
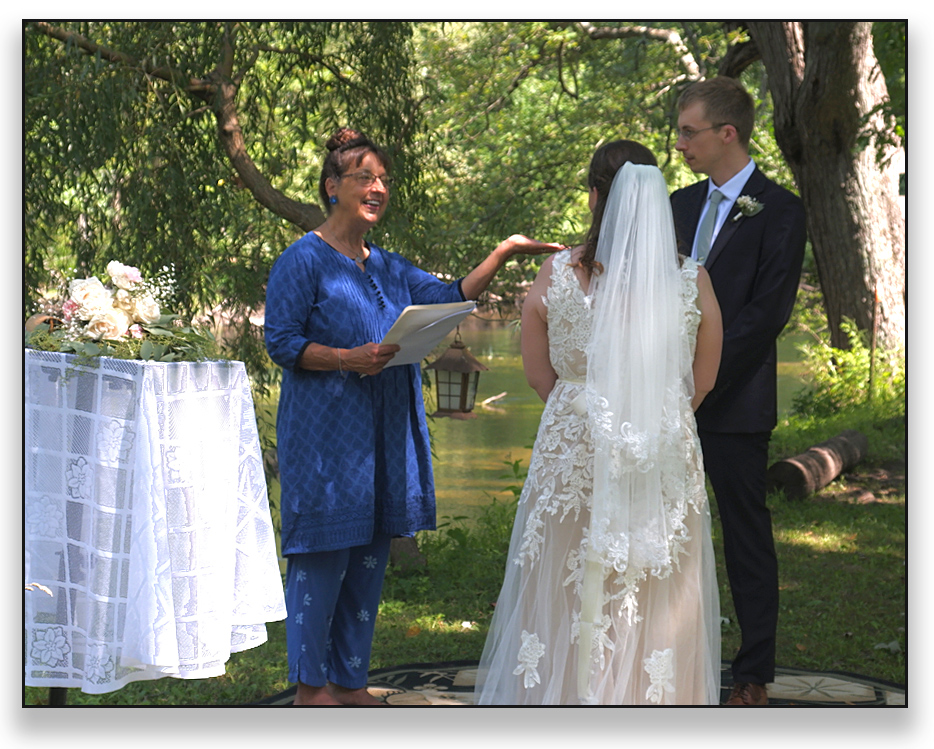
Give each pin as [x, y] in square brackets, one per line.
[491, 126]
[517, 109]
[890, 47]
[123, 163]
[165, 343]
[840, 379]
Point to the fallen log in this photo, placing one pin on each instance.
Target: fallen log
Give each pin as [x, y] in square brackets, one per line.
[802, 475]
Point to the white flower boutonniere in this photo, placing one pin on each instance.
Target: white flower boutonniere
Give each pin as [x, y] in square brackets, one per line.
[747, 207]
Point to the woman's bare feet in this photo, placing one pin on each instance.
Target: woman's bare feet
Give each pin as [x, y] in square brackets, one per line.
[346, 696]
[332, 694]
[307, 695]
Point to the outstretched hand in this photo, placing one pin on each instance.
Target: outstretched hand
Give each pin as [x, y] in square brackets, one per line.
[519, 244]
[479, 278]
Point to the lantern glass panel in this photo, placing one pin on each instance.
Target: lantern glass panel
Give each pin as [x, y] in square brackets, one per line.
[472, 379]
[449, 390]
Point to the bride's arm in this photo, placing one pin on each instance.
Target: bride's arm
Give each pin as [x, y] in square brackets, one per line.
[540, 374]
[709, 339]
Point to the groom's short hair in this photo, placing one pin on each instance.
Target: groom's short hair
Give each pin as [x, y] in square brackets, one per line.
[725, 101]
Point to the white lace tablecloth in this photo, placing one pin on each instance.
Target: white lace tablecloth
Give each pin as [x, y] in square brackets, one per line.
[147, 517]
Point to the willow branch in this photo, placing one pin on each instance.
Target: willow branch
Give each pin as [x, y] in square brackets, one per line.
[668, 36]
[218, 89]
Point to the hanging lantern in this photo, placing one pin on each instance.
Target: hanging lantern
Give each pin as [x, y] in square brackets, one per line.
[457, 373]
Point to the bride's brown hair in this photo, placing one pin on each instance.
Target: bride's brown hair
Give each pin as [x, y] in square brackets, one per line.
[605, 163]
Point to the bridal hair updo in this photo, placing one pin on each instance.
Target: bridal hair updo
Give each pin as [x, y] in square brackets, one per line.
[605, 163]
[346, 149]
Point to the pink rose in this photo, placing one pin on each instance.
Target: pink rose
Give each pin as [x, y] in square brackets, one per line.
[68, 309]
[124, 276]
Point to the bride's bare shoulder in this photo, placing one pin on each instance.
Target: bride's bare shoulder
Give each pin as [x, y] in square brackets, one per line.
[576, 253]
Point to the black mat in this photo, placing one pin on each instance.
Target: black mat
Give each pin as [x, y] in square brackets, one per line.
[452, 683]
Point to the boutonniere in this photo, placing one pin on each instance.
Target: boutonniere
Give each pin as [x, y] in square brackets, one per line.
[748, 206]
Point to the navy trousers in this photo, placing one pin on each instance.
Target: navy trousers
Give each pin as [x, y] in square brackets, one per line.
[332, 598]
[736, 465]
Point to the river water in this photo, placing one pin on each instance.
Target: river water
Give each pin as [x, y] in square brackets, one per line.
[471, 457]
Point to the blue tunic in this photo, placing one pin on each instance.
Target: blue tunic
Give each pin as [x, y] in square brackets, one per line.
[354, 455]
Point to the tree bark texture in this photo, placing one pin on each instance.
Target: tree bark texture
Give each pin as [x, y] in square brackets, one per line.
[825, 81]
[812, 470]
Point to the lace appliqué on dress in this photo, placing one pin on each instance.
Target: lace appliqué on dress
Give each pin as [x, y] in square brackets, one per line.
[659, 666]
[560, 473]
[530, 654]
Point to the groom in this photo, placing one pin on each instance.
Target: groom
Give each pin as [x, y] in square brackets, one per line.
[750, 236]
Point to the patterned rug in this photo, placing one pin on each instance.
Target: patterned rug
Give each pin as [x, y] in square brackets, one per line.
[452, 683]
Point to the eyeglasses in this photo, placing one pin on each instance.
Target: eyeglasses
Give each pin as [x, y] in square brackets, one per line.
[365, 178]
[687, 133]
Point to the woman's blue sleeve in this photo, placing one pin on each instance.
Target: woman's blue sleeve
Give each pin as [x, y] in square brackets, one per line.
[289, 302]
[428, 289]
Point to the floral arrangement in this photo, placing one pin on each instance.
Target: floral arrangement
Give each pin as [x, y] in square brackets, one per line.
[748, 206]
[123, 319]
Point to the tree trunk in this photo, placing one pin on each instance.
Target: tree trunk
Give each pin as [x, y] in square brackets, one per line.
[825, 81]
[814, 469]
[405, 555]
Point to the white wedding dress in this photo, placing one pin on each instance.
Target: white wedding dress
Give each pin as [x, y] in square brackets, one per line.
[661, 645]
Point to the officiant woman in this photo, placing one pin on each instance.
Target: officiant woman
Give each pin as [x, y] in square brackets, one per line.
[353, 450]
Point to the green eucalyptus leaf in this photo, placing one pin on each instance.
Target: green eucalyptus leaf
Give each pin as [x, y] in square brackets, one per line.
[145, 350]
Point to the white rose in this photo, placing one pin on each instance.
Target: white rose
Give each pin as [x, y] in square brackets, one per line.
[113, 323]
[146, 309]
[90, 296]
[123, 300]
[124, 276]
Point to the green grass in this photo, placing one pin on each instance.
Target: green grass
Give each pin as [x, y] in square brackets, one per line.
[841, 568]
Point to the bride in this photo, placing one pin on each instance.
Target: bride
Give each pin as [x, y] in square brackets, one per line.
[610, 593]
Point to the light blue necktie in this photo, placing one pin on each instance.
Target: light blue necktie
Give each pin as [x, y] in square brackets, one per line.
[705, 230]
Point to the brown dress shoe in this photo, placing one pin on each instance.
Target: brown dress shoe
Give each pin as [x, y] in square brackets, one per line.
[746, 693]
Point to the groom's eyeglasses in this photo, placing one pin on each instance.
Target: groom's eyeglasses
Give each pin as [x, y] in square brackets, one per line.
[687, 133]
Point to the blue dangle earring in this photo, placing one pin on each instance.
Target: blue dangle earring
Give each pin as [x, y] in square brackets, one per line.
[333, 200]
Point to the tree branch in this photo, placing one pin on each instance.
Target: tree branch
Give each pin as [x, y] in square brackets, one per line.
[669, 36]
[316, 59]
[572, 94]
[119, 58]
[232, 141]
[738, 57]
[218, 89]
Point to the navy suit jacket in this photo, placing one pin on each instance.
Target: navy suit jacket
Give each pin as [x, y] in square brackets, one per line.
[755, 267]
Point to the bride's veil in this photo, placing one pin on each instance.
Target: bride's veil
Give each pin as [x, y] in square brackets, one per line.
[638, 374]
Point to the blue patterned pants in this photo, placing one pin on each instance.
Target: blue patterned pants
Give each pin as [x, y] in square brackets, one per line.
[332, 599]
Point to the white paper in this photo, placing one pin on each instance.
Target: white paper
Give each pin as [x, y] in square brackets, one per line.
[421, 327]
